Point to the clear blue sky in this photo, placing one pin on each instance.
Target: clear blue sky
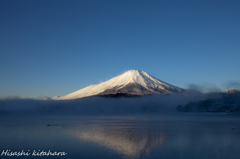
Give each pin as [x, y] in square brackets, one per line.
[55, 47]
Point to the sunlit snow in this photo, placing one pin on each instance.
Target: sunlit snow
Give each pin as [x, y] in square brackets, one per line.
[130, 77]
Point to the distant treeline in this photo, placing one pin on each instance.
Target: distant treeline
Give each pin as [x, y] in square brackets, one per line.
[228, 101]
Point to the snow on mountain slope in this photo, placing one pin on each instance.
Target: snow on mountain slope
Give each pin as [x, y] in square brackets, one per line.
[132, 81]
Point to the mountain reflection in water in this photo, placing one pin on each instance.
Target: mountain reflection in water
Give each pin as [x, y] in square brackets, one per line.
[171, 136]
[128, 140]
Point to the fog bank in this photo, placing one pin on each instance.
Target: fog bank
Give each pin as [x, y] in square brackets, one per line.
[96, 105]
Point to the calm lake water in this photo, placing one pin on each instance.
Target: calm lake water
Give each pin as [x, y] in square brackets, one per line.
[173, 136]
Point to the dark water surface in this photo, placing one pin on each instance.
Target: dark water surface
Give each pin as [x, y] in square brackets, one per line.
[173, 136]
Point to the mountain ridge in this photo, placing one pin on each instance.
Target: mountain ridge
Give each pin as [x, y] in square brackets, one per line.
[135, 82]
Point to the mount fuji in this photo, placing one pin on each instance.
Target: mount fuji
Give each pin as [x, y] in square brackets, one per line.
[132, 82]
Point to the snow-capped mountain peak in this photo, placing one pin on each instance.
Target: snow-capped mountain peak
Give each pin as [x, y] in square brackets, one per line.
[135, 82]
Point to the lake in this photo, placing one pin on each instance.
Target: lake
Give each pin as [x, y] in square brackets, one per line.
[162, 136]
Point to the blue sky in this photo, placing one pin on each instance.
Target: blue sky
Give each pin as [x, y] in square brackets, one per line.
[55, 47]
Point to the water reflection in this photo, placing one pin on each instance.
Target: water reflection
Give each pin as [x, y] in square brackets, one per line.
[166, 137]
[171, 136]
[131, 141]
